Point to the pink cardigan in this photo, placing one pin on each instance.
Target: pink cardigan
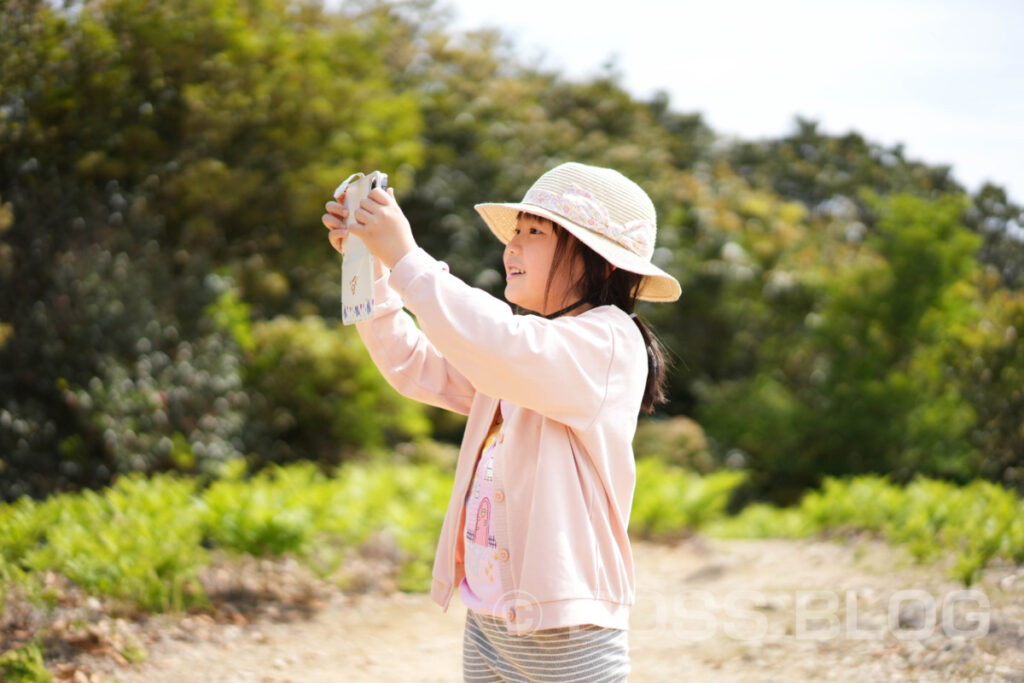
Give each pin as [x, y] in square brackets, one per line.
[564, 486]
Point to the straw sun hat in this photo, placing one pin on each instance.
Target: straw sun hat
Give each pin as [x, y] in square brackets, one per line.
[603, 209]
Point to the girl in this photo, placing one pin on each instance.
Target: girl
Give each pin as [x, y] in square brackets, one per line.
[534, 539]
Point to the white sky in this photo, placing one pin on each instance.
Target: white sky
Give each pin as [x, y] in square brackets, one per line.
[944, 77]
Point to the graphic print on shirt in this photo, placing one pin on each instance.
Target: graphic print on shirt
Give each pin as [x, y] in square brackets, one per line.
[481, 590]
[483, 522]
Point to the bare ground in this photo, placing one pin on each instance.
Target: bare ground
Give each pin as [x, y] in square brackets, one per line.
[707, 610]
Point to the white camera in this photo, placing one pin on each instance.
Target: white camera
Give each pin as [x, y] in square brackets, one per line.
[357, 261]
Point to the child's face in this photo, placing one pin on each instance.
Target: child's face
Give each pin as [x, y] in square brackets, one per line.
[528, 256]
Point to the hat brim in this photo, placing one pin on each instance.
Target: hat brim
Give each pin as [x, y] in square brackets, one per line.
[657, 285]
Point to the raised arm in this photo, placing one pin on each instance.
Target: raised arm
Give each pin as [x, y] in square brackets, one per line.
[563, 368]
[407, 359]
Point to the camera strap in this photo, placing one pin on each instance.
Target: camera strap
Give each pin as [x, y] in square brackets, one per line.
[568, 308]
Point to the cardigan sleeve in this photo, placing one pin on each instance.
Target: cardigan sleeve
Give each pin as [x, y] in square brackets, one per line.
[407, 359]
[560, 368]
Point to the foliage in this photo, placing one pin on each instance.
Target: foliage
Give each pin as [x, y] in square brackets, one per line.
[671, 499]
[138, 541]
[933, 519]
[120, 384]
[316, 394]
[166, 305]
[494, 124]
[271, 514]
[24, 665]
[166, 412]
[981, 356]
[675, 441]
[811, 166]
[999, 220]
[140, 145]
[407, 502]
[168, 302]
[815, 168]
[143, 542]
[856, 388]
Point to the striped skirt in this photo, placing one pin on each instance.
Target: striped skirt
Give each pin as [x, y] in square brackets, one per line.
[577, 653]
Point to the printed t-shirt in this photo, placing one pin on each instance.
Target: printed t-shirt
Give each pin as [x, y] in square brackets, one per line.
[481, 589]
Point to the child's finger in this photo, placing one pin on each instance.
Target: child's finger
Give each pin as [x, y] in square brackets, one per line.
[337, 239]
[380, 196]
[360, 216]
[337, 209]
[333, 222]
[370, 204]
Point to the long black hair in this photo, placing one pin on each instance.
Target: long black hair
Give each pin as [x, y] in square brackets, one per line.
[601, 284]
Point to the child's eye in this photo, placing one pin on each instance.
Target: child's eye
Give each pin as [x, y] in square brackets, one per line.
[533, 230]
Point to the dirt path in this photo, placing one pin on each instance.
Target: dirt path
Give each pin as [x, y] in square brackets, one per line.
[707, 610]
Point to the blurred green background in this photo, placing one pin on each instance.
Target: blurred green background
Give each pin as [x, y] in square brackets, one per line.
[169, 302]
[177, 393]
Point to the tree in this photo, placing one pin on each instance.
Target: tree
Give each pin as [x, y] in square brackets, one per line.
[143, 146]
[854, 390]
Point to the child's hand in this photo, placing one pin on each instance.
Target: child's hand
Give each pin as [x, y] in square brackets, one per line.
[379, 223]
[383, 228]
[336, 220]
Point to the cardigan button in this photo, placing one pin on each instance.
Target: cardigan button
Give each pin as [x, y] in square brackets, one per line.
[503, 556]
[499, 496]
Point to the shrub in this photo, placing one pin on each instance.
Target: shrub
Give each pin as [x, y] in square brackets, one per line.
[670, 499]
[138, 541]
[676, 440]
[24, 665]
[976, 523]
[275, 512]
[297, 509]
[317, 395]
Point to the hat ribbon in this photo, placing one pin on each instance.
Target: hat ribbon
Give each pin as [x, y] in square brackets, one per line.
[582, 208]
